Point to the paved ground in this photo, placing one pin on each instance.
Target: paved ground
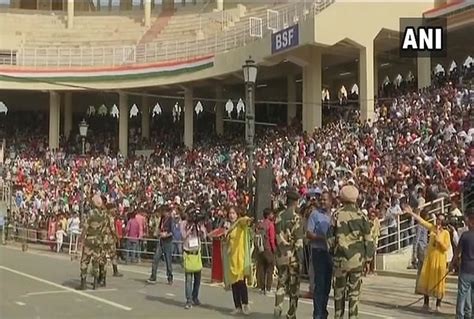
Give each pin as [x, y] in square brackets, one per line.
[37, 284]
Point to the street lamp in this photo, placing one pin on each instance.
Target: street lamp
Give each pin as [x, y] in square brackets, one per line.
[83, 126]
[250, 77]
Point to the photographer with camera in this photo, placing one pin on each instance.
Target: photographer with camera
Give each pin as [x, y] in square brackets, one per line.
[192, 231]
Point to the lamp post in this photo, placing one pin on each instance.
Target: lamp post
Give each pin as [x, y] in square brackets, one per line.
[250, 77]
[83, 126]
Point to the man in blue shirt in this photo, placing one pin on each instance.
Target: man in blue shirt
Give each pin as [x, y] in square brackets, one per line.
[318, 226]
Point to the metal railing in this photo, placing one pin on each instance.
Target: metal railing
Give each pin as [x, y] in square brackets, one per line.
[403, 235]
[145, 248]
[5, 190]
[177, 50]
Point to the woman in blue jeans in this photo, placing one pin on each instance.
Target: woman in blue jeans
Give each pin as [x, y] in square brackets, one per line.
[192, 232]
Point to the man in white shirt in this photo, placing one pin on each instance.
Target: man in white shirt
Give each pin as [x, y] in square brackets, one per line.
[393, 213]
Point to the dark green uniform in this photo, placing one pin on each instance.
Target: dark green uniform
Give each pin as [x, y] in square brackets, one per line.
[93, 242]
[350, 243]
[289, 252]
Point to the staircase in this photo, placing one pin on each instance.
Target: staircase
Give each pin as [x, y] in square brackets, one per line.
[160, 23]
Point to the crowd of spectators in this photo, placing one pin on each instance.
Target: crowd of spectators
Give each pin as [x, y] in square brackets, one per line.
[417, 149]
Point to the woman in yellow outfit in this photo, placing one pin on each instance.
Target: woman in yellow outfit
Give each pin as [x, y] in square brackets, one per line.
[432, 278]
[238, 264]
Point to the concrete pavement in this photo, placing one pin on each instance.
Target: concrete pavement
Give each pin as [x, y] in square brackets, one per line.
[37, 284]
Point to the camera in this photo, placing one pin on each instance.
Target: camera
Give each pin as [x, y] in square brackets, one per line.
[196, 215]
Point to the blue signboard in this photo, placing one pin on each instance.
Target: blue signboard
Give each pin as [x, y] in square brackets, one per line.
[285, 39]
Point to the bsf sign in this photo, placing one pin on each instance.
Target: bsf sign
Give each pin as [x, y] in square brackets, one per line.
[285, 39]
[423, 37]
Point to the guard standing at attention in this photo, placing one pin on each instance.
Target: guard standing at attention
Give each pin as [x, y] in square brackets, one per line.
[289, 255]
[109, 245]
[92, 241]
[351, 246]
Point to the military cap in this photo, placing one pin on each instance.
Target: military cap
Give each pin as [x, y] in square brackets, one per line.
[292, 194]
[349, 194]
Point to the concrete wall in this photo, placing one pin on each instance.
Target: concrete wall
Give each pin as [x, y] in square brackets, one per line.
[362, 21]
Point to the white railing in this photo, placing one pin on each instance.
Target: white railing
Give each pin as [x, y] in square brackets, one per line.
[394, 240]
[219, 42]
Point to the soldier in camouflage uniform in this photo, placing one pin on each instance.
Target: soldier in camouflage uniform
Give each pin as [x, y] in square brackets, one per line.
[92, 238]
[289, 255]
[109, 245]
[351, 246]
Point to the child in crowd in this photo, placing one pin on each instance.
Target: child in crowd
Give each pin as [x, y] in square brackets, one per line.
[60, 234]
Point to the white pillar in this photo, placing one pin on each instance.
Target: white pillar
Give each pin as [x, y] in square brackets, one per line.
[145, 117]
[123, 124]
[220, 5]
[70, 14]
[219, 111]
[291, 106]
[67, 114]
[366, 82]
[54, 113]
[188, 117]
[424, 72]
[147, 13]
[312, 92]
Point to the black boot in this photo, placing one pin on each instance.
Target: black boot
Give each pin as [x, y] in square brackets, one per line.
[103, 281]
[83, 284]
[102, 276]
[94, 285]
[116, 272]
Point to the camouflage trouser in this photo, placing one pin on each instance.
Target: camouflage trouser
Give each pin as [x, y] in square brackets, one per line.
[90, 254]
[288, 282]
[110, 250]
[347, 283]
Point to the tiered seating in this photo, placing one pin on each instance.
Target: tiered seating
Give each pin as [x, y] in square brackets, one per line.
[44, 40]
[15, 26]
[90, 31]
[185, 26]
[189, 34]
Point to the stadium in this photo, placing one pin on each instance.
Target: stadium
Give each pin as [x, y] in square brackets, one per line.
[158, 109]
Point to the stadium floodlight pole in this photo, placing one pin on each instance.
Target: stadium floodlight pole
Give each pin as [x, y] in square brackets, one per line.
[250, 77]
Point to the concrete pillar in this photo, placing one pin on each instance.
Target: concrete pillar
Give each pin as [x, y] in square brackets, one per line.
[423, 72]
[147, 13]
[219, 111]
[67, 114]
[123, 124]
[291, 106]
[54, 114]
[312, 92]
[70, 14]
[220, 5]
[188, 117]
[145, 117]
[376, 75]
[366, 82]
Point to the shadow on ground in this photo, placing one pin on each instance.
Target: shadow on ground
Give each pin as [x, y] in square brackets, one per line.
[412, 309]
[224, 311]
